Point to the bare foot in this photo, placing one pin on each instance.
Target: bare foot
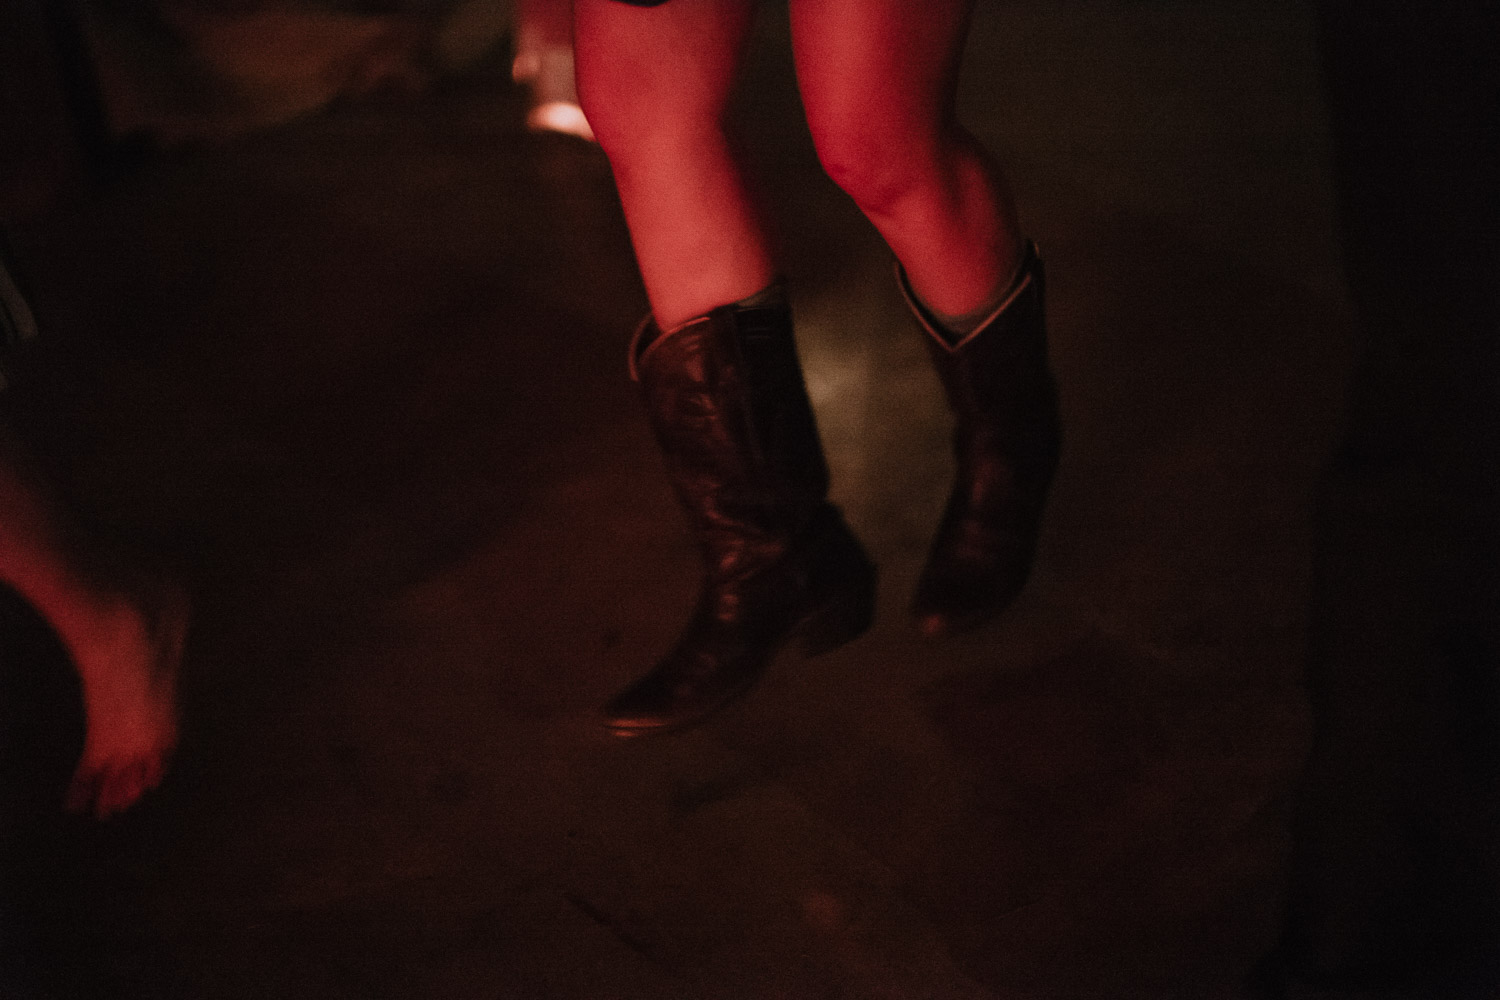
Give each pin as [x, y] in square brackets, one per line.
[127, 663]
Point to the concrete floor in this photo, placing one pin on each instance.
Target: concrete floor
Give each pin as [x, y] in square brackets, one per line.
[363, 384]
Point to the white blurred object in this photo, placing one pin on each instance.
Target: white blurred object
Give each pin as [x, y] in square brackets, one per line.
[545, 67]
[560, 116]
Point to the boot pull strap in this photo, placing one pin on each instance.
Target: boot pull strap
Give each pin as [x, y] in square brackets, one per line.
[17, 323]
[747, 312]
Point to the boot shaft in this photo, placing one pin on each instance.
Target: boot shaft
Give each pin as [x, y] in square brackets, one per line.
[997, 378]
[725, 397]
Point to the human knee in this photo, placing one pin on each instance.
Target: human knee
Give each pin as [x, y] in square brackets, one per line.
[875, 163]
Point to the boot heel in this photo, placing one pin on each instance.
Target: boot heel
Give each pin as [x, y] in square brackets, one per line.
[846, 617]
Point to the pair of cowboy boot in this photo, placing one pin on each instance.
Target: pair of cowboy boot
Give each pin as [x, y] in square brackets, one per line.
[725, 397]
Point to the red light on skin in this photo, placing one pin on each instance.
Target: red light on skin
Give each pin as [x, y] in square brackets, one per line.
[127, 660]
[125, 649]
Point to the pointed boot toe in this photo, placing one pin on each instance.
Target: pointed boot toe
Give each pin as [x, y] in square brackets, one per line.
[677, 694]
[960, 595]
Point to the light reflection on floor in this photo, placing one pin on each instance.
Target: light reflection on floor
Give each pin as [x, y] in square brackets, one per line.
[880, 411]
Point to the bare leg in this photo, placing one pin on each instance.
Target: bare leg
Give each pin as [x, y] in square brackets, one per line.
[878, 80]
[126, 657]
[654, 84]
[723, 391]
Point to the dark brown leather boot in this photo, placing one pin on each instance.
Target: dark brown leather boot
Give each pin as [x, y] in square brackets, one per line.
[1006, 440]
[725, 397]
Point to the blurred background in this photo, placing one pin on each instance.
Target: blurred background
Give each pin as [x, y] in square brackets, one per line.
[336, 336]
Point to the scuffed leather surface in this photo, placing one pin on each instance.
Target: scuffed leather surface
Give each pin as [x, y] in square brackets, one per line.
[726, 401]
